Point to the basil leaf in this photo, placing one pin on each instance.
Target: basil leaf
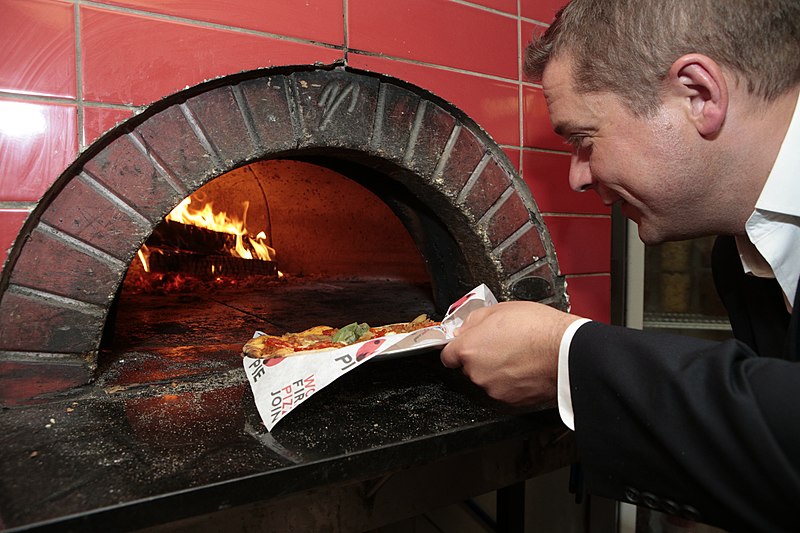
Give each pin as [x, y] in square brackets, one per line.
[350, 333]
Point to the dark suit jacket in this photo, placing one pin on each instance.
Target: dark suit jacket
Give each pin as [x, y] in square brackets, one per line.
[707, 430]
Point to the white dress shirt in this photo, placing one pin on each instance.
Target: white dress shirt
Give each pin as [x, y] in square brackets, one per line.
[771, 248]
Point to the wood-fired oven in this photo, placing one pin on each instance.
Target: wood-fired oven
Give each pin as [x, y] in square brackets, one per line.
[377, 201]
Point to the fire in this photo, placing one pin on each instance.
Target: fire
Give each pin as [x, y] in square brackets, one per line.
[246, 247]
[144, 257]
[170, 263]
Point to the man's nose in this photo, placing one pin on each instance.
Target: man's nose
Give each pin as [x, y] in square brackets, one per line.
[580, 175]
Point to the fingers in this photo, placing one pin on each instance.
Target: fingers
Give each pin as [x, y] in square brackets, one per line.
[475, 318]
[511, 351]
[450, 357]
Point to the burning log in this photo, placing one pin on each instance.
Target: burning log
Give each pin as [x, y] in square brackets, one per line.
[210, 266]
[179, 237]
[206, 245]
[205, 253]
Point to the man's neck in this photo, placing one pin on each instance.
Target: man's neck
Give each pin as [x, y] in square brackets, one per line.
[759, 129]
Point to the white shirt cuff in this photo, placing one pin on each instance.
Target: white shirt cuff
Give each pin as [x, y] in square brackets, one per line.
[564, 394]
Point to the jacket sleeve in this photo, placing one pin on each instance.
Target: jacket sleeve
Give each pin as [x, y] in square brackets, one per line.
[691, 427]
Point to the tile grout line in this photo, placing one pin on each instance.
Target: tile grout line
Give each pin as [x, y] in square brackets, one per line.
[446, 68]
[345, 31]
[480, 7]
[575, 215]
[547, 150]
[598, 274]
[76, 13]
[68, 100]
[520, 92]
[24, 206]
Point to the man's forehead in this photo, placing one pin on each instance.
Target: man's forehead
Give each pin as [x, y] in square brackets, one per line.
[557, 77]
[563, 102]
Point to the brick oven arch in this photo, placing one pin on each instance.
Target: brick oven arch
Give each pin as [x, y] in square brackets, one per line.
[436, 168]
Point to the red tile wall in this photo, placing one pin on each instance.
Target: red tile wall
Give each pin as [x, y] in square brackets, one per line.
[71, 71]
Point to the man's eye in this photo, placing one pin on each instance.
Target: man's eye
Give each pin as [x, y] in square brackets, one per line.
[578, 142]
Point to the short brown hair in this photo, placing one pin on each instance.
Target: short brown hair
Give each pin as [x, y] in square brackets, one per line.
[627, 46]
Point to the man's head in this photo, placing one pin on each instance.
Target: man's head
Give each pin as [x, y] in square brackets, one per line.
[678, 128]
[626, 47]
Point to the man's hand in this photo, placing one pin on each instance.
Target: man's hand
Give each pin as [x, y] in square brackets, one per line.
[511, 351]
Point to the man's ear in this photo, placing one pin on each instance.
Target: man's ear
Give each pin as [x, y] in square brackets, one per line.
[699, 81]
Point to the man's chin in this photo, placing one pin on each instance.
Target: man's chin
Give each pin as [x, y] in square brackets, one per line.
[651, 241]
[649, 235]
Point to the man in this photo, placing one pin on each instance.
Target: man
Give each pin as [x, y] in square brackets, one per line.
[685, 113]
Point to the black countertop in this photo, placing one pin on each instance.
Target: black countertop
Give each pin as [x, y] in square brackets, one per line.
[161, 437]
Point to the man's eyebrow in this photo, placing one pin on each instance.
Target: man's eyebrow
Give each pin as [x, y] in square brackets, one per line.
[562, 127]
[567, 127]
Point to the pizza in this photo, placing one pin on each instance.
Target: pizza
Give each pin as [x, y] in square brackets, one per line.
[321, 338]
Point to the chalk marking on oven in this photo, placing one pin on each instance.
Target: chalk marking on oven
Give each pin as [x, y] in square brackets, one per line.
[57, 300]
[473, 178]
[446, 152]
[114, 198]
[247, 116]
[139, 142]
[81, 246]
[201, 134]
[377, 125]
[334, 96]
[415, 129]
[293, 102]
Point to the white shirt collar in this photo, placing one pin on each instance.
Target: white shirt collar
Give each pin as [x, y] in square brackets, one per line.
[774, 227]
[781, 192]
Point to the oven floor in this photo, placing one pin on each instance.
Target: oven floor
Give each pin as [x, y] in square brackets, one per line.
[169, 430]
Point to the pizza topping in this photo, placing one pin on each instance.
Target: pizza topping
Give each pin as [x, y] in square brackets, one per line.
[326, 338]
[350, 333]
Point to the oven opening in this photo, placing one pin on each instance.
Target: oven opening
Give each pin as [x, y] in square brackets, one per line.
[275, 246]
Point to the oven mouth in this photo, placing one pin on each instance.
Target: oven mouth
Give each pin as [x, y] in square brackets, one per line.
[201, 326]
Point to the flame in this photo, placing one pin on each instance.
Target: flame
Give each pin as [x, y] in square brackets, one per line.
[144, 257]
[205, 217]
